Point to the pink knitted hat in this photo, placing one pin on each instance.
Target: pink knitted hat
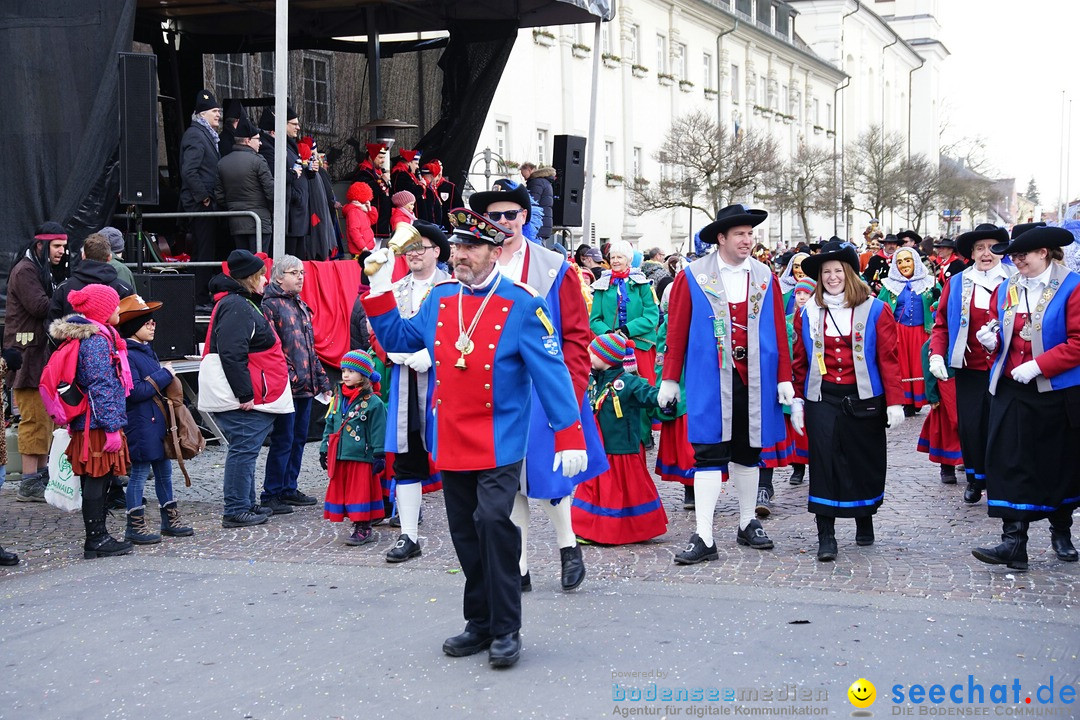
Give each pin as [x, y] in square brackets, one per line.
[402, 198]
[95, 302]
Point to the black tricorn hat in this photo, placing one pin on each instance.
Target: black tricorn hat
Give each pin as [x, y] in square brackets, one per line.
[1035, 238]
[965, 243]
[945, 242]
[909, 234]
[266, 120]
[233, 109]
[435, 234]
[833, 250]
[480, 201]
[1021, 228]
[729, 217]
[245, 129]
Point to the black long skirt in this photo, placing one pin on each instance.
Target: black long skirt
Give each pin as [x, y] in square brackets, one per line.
[847, 457]
[1032, 455]
[973, 420]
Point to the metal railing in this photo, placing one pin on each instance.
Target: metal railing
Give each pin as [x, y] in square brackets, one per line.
[138, 216]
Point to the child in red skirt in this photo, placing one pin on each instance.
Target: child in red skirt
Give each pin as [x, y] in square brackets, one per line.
[352, 449]
[98, 453]
[621, 505]
[940, 436]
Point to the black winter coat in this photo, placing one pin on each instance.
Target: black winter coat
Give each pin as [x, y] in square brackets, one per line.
[198, 168]
[239, 328]
[359, 337]
[146, 423]
[543, 192]
[245, 183]
[89, 272]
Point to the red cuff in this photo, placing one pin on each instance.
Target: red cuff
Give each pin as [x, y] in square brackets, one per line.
[571, 438]
[379, 304]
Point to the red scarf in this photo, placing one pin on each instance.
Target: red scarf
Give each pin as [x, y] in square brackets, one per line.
[620, 274]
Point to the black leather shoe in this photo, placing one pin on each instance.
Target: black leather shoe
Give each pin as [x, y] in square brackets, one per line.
[1062, 543]
[696, 551]
[1012, 551]
[972, 493]
[526, 582]
[573, 568]
[8, 558]
[505, 650]
[467, 643]
[404, 549]
[754, 536]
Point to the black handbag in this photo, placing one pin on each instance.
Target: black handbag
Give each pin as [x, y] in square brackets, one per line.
[856, 407]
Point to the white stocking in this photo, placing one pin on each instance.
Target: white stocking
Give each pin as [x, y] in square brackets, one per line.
[745, 480]
[408, 503]
[520, 517]
[707, 487]
[560, 519]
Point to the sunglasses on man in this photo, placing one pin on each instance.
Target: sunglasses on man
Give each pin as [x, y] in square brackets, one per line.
[510, 215]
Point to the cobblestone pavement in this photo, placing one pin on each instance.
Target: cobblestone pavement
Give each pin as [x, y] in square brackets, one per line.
[925, 534]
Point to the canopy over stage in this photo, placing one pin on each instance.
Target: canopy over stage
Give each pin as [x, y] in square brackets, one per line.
[60, 94]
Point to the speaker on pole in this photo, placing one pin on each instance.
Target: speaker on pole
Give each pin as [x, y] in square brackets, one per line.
[138, 129]
[175, 336]
[569, 164]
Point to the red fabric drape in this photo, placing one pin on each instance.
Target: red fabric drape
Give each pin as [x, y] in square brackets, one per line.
[330, 289]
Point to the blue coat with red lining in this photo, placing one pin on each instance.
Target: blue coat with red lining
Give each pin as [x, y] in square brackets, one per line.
[482, 412]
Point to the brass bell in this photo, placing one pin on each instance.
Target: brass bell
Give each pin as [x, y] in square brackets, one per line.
[405, 237]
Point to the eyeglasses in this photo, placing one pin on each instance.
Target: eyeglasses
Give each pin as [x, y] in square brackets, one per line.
[298, 273]
[151, 321]
[510, 215]
[294, 122]
[1018, 255]
[420, 250]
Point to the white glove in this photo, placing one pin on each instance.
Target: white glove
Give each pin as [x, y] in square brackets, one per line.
[894, 416]
[419, 361]
[669, 393]
[398, 358]
[1026, 372]
[572, 461]
[937, 367]
[797, 419]
[785, 393]
[987, 336]
[382, 279]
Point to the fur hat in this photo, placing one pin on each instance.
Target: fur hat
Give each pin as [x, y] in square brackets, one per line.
[359, 361]
[95, 302]
[359, 192]
[402, 198]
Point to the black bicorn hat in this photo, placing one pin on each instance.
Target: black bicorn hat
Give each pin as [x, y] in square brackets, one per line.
[843, 251]
[1037, 237]
[965, 243]
[729, 217]
[435, 234]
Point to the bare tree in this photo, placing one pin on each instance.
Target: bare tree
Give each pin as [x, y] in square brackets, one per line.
[921, 182]
[964, 190]
[712, 168]
[872, 171]
[805, 184]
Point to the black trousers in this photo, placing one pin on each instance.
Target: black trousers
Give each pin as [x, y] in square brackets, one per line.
[204, 248]
[710, 456]
[413, 463]
[478, 505]
[973, 420]
[248, 241]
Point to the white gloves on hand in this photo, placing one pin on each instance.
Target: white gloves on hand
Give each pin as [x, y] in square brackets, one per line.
[669, 393]
[894, 416]
[572, 461]
[937, 367]
[785, 393]
[398, 358]
[1026, 372]
[382, 279]
[419, 361]
[798, 422]
[987, 336]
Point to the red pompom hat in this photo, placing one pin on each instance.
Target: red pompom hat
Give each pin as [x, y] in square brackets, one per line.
[359, 192]
[95, 302]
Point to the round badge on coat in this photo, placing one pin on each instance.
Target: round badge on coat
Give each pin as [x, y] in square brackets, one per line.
[702, 279]
[618, 384]
[552, 272]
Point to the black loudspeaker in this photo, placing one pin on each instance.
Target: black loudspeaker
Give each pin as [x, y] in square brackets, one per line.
[569, 164]
[175, 335]
[138, 129]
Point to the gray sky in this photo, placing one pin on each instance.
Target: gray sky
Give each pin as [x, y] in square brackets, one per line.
[1010, 63]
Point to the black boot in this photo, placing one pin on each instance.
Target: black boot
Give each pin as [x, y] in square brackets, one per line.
[688, 497]
[798, 474]
[171, 522]
[1013, 548]
[973, 492]
[864, 530]
[98, 541]
[948, 475]
[138, 531]
[826, 538]
[8, 558]
[1061, 536]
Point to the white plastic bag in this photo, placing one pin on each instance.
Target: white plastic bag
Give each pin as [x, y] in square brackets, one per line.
[64, 490]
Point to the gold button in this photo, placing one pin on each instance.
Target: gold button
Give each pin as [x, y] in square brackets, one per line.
[487, 386]
[487, 367]
[487, 404]
[491, 347]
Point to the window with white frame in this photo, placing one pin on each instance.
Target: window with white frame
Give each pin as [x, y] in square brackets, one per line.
[609, 157]
[736, 84]
[502, 137]
[817, 112]
[266, 73]
[679, 70]
[661, 54]
[316, 78]
[230, 75]
[541, 146]
[638, 169]
[828, 115]
[635, 41]
[706, 62]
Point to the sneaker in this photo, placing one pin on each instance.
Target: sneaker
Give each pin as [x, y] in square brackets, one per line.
[243, 519]
[763, 501]
[32, 487]
[696, 551]
[276, 505]
[404, 549]
[360, 535]
[295, 497]
[263, 510]
[754, 536]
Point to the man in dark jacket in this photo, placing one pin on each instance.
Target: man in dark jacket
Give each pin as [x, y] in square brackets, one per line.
[245, 183]
[539, 181]
[291, 319]
[93, 269]
[199, 157]
[30, 286]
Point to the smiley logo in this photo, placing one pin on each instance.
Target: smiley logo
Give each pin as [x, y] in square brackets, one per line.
[862, 693]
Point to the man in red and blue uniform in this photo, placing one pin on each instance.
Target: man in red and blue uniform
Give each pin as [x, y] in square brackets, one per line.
[491, 340]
